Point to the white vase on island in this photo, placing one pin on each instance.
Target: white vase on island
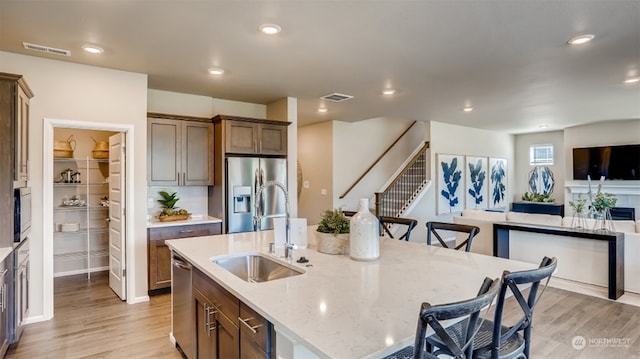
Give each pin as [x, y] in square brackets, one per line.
[364, 241]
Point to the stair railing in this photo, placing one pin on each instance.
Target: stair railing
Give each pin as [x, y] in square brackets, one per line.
[376, 161]
[400, 193]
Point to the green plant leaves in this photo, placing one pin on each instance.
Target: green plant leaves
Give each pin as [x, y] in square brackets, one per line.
[333, 222]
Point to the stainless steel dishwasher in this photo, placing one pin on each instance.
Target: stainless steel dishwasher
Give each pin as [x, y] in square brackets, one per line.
[182, 306]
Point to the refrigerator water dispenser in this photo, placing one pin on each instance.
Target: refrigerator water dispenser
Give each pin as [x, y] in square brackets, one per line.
[242, 199]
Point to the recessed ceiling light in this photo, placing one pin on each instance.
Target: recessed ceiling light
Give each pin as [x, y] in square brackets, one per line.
[467, 109]
[322, 110]
[632, 80]
[544, 125]
[270, 29]
[216, 71]
[92, 49]
[581, 39]
[388, 91]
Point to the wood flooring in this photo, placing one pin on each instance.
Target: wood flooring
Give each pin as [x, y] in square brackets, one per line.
[91, 322]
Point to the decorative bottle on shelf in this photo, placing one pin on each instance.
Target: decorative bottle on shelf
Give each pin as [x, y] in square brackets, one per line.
[364, 238]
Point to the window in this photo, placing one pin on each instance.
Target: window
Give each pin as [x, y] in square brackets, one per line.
[541, 155]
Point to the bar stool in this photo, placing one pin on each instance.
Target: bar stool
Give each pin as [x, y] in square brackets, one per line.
[386, 222]
[433, 227]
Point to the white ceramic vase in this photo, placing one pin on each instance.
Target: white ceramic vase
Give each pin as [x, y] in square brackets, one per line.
[364, 243]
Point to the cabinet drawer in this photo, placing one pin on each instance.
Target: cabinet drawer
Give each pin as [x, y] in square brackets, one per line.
[192, 230]
[254, 320]
[226, 302]
[249, 349]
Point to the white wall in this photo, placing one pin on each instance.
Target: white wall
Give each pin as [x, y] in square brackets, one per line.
[460, 140]
[523, 168]
[599, 134]
[82, 93]
[602, 134]
[315, 154]
[356, 145]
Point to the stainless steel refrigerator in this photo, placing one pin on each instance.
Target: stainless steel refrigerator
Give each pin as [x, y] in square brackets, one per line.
[244, 177]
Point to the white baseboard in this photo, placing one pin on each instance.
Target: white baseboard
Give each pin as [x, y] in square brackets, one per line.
[36, 319]
[135, 300]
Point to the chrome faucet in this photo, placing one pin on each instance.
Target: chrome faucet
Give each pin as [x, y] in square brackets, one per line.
[288, 246]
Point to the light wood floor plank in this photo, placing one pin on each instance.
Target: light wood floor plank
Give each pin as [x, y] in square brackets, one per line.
[91, 322]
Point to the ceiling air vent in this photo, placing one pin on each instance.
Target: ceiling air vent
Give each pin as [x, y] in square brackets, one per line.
[337, 97]
[47, 49]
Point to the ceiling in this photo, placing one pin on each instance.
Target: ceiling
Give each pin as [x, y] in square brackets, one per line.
[509, 60]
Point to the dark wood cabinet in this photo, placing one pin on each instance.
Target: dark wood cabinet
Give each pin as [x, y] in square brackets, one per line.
[217, 333]
[14, 155]
[14, 119]
[5, 266]
[226, 327]
[180, 151]
[159, 255]
[252, 136]
[257, 337]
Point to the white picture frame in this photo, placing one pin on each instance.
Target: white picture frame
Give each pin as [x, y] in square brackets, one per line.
[476, 188]
[451, 174]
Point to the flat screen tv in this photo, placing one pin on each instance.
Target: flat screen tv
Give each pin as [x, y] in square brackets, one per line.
[612, 162]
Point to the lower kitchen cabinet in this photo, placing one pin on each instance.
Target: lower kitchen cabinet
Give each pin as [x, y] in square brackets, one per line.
[217, 335]
[225, 326]
[159, 255]
[4, 304]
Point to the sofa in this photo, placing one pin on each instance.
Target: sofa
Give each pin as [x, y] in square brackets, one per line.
[574, 266]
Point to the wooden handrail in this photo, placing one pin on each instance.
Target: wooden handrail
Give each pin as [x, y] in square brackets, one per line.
[376, 161]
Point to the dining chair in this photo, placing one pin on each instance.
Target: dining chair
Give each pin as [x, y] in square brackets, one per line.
[434, 227]
[386, 223]
[495, 340]
[430, 316]
[349, 213]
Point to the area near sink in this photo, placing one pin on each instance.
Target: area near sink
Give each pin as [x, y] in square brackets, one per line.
[256, 267]
[323, 312]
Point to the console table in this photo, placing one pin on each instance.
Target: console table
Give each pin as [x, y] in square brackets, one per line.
[615, 247]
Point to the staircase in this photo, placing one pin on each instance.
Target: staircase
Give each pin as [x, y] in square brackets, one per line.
[398, 196]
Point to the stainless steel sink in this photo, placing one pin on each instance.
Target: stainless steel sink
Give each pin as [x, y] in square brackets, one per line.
[256, 268]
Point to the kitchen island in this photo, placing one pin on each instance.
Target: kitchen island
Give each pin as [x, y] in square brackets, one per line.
[341, 308]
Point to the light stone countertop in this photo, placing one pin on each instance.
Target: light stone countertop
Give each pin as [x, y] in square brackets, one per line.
[341, 308]
[155, 223]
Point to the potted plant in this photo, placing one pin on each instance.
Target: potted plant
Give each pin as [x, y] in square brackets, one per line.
[169, 210]
[333, 232]
[578, 207]
[537, 197]
[601, 205]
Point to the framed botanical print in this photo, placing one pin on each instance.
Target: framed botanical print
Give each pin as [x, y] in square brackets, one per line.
[476, 182]
[497, 182]
[450, 174]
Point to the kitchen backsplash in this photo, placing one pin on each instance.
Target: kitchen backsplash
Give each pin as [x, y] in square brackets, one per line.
[192, 198]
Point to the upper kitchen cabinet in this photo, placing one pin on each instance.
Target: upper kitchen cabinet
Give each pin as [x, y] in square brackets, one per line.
[252, 136]
[14, 134]
[180, 150]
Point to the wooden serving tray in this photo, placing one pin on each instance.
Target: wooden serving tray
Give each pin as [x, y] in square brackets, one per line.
[180, 217]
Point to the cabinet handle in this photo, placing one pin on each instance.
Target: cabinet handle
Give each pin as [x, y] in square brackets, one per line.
[2, 298]
[207, 319]
[187, 231]
[251, 328]
[178, 176]
[184, 178]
